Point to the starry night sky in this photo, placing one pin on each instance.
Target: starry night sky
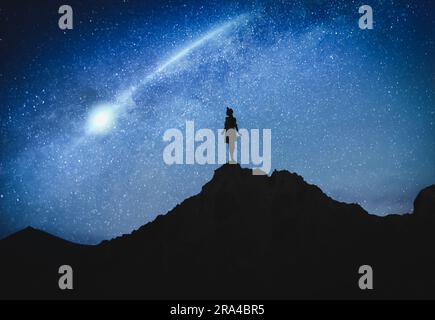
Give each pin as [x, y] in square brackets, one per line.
[350, 110]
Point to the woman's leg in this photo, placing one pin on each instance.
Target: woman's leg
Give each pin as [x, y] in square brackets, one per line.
[231, 150]
[231, 144]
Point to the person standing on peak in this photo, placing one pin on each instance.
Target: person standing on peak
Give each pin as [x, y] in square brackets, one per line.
[230, 133]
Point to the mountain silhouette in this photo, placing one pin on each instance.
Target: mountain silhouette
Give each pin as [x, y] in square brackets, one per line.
[243, 236]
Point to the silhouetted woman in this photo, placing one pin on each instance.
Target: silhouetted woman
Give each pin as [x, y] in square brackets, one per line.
[230, 132]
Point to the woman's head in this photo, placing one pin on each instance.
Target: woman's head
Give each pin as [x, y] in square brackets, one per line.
[229, 112]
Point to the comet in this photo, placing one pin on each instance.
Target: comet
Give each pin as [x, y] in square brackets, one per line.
[102, 116]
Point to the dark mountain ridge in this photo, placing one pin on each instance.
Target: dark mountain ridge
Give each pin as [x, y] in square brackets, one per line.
[242, 236]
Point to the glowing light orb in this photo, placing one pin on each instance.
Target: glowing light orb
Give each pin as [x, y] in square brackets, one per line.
[101, 119]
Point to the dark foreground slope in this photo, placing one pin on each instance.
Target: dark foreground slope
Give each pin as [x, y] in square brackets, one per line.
[243, 236]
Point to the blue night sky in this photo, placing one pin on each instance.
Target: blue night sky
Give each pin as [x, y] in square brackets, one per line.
[350, 110]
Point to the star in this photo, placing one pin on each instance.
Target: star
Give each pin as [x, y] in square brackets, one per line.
[101, 119]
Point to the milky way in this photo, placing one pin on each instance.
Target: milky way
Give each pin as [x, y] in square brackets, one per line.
[84, 110]
[101, 117]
